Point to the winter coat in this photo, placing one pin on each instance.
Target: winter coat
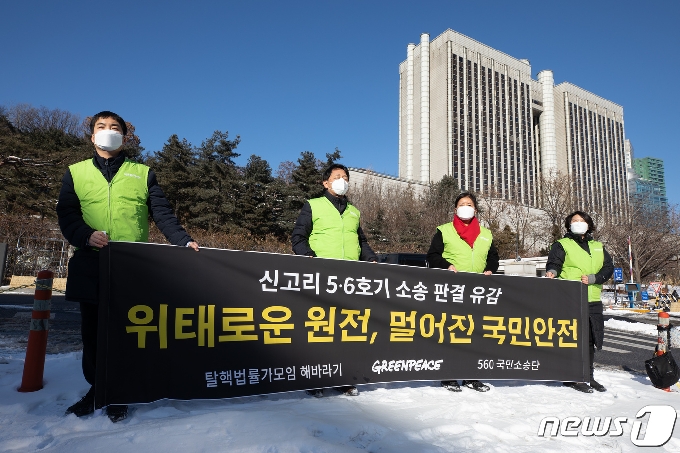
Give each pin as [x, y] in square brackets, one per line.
[554, 265]
[82, 284]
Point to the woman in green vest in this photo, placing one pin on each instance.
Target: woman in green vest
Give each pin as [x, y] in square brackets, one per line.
[464, 245]
[578, 257]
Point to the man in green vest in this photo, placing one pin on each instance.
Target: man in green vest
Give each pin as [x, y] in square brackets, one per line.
[108, 197]
[328, 227]
[577, 256]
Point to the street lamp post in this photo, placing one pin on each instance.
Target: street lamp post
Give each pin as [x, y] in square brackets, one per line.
[630, 259]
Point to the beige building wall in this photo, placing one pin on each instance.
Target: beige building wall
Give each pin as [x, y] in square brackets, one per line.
[439, 112]
[415, 165]
[594, 139]
[475, 113]
[458, 137]
[560, 132]
[360, 177]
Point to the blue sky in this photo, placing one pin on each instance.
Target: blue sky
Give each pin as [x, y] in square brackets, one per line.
[315, 75]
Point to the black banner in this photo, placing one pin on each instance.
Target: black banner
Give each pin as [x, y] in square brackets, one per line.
[179, 324]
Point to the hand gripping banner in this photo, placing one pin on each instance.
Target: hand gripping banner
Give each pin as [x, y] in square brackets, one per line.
[174, 323]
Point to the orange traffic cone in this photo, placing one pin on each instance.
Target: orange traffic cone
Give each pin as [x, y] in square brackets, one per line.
[34, 365]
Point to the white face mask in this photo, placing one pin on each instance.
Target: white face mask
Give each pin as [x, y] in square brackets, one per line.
[340, 186]
[579, 227]
[108, 140]
[465, 212]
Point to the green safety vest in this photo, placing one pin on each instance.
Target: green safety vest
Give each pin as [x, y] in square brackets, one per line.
[459, 253]
[578, 262]
[334, 235]
[117, 207]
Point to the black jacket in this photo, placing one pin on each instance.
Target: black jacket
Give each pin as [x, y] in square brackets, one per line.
[554, 265]
[557, 255]
[83, 269]
[303, 228]
[436, 260]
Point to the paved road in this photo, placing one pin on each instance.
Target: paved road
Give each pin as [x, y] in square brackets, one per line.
[15, 316]
[625, 350]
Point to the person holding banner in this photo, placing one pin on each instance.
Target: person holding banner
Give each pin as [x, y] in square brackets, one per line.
[107, 197]
[578, 257]
[328, 227]
[464, 245]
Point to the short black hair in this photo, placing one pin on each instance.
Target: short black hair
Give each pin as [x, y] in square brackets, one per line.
[329, 170]
[107, 114]
[465, 195]
[584, 216]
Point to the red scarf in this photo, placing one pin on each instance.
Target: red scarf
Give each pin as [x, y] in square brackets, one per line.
[468, 233]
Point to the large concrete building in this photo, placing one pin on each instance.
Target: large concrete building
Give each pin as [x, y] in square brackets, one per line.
[473, 112]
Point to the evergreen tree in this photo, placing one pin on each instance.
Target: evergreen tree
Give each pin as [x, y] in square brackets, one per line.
[175, 168]
[305, 184]
[219, 185]
[438, 206]
[307, 176]
[505, 240]
[286, 204]
[441, 197]
[331, 158]
[256, 206]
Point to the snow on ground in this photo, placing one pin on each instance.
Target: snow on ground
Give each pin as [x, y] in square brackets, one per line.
[634, 327]
[403, 417]
[642, 328]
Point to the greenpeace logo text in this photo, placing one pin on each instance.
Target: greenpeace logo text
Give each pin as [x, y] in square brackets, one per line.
[406, 365]
[658, 429]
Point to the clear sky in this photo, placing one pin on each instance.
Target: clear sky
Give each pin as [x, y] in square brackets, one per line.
[293, 76]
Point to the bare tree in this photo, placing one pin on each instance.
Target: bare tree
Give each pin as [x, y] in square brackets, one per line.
[530, 227]
[518, 229]
[27, 118]
[492, 209]
[654, 233]
[285, 171]
[556, 201]
[395, 219]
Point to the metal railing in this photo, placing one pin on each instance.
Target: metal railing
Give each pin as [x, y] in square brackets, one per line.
[29, 255]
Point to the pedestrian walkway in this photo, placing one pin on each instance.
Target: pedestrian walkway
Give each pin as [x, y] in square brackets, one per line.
[622, 342]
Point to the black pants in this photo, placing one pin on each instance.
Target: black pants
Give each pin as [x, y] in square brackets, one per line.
[89, 315]
[595, 331]
[591, 350]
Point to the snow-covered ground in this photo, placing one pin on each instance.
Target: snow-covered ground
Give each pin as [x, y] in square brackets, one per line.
[404, 417]
[640, 327]
[635, 327]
